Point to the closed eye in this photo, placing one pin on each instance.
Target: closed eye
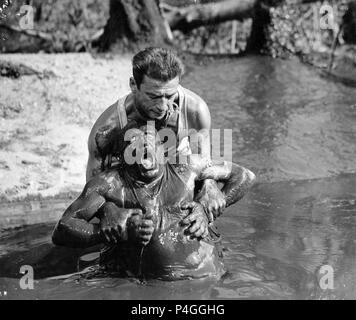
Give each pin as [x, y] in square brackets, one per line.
[170, 96]
[153, 96]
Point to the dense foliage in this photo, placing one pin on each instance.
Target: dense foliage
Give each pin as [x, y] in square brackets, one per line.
[73, 24]
[303, 29]
[294, 29]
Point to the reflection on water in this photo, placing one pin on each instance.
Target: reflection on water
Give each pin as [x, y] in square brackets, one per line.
[297, 132]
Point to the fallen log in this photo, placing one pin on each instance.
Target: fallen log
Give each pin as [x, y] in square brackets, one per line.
[194, 16]
[28, 32]
[16, 70]
[349, 22]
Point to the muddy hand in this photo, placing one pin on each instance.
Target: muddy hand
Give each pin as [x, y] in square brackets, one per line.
[212, 199]
[141, 228]
[113, 222]
[196, 220]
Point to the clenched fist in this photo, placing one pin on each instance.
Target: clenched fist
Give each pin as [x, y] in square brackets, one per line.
[141, 227]
[113, 222]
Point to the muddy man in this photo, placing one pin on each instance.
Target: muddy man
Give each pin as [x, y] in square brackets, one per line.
[148, 219]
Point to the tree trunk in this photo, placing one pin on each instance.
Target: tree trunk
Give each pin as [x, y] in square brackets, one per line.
[349, 23]
[258, 36]
[132, 24]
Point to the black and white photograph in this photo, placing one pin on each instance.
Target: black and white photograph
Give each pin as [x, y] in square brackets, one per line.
[196, 152]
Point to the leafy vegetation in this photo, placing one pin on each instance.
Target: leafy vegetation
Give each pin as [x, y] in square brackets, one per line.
[73, 25]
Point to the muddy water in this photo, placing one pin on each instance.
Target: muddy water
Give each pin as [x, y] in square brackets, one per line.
[288, 123]
[297, 132]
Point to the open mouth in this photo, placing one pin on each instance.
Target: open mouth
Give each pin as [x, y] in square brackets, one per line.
[148, 162]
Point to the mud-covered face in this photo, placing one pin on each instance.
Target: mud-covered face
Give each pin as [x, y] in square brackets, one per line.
[148, 153]
[154, 97]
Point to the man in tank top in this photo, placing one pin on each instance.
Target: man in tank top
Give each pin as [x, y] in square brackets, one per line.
[156, 95]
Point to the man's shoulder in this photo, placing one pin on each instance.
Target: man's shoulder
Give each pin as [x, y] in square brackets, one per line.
[110, 113]
[109, 117]
[103, 180]
[196, 106]
[192, 98]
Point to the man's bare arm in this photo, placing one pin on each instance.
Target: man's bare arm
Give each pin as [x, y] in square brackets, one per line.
[74, 228]
[237, 180]
[107, 119]
[209, 196]
[199, 119]
[94, 163]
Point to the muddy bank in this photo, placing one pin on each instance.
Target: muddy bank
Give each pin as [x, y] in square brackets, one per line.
[44, 123]
[339, 66]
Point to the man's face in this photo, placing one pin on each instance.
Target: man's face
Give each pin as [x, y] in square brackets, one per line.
[148, 152]
[154, 97]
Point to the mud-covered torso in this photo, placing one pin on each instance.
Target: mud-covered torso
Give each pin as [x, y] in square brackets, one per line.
[170, 253]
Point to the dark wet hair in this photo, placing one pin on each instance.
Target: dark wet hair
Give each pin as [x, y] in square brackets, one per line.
[111, 143]
[157, 63]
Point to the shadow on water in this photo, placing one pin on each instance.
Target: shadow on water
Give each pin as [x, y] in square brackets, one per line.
[297, 132]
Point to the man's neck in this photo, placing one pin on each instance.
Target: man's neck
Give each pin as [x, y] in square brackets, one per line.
[138, 180]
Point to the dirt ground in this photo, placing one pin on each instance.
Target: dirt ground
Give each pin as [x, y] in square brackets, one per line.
[45, 123]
